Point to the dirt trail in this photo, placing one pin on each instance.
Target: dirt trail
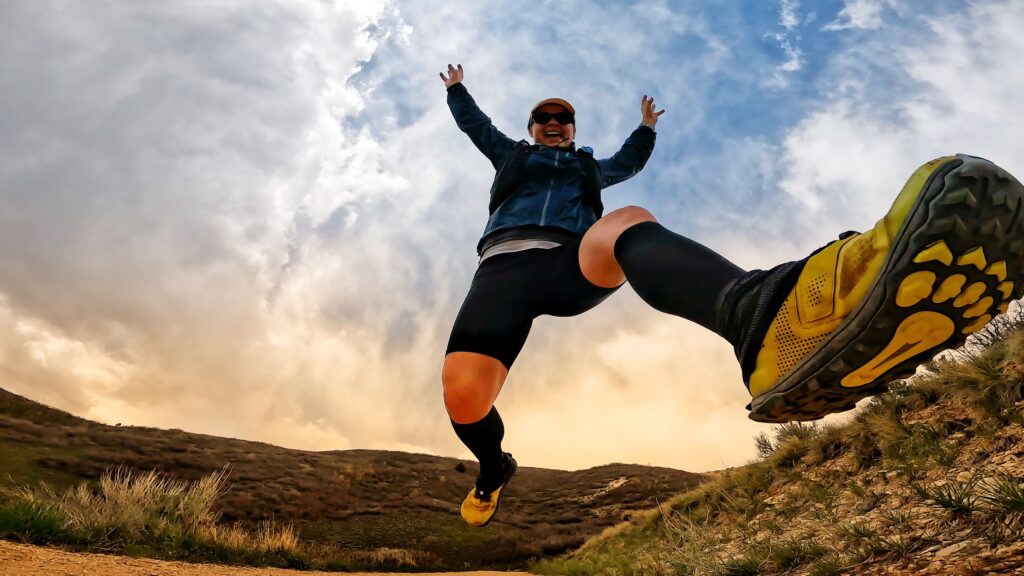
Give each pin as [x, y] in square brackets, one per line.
[25, 560]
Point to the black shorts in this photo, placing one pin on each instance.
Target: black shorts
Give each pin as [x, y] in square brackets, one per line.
[510, 290]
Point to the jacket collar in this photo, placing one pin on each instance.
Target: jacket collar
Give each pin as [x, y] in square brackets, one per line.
[570, 148]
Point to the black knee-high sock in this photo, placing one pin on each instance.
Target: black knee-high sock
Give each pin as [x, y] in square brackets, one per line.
[673, 273]
[483, 438]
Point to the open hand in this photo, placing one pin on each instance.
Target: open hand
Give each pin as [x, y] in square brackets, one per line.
[646, 108]
[454, 76]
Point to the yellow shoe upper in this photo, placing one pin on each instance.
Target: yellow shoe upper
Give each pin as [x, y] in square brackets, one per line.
[477, 511]
[832, 285]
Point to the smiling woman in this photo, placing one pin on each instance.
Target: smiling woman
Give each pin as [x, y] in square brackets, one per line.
[549, 250]
[553, 123]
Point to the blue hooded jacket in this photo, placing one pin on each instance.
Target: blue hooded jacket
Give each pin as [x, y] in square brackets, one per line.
[550, 203]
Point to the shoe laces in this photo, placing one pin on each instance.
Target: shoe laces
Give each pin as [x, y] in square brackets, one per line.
[750, 301]
[842, 236]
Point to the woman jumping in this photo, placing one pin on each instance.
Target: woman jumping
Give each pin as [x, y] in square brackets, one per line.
[812, 337]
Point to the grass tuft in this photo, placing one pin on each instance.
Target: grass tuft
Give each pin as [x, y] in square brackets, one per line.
[830, 443]
[1005, 493]
[790, 554]
[897, 518]
[827, 566]
[744, 566]
[147, 514]
[960, 498]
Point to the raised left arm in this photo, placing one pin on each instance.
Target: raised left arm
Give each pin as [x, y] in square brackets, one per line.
[635, 152]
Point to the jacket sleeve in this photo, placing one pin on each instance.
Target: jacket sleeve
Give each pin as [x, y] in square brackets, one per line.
[630, 159]
[478, 126]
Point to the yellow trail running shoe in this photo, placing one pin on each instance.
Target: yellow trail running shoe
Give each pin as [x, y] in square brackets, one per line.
[815, 336]
[480, 506]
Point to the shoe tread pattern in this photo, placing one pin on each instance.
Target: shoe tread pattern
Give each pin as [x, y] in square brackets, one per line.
[971, 215]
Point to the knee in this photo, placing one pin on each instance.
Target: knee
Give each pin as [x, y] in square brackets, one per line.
[470, 390]
[464, 398]
[629, 215]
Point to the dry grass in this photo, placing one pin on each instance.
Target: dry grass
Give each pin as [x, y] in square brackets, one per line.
[151, 514]
[150, 509]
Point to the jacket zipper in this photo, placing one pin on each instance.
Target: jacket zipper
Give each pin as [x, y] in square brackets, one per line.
[547, 199]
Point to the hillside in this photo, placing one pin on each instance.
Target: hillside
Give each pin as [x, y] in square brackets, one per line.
[356, 499]
[928, 479]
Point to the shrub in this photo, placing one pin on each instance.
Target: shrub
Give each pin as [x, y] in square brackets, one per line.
[830, 443]
[147, 511]
[32, 522]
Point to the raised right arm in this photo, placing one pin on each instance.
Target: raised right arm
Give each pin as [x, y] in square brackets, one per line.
[474, 122]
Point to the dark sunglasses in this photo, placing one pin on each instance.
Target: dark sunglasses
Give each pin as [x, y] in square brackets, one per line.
[560, 117]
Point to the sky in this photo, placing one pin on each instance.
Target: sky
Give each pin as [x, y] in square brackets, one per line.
[258, 220]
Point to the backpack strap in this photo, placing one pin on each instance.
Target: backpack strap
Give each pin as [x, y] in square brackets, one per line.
[511, 174]
[590, 174]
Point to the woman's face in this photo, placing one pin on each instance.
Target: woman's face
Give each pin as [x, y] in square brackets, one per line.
[552, 133]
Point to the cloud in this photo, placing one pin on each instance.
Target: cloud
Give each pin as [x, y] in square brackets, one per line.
[160, 158]
[789, 16]
[950, 90]
[259, 221]
[789, 20]
[863, 14]
[208, 234]
[794, 60]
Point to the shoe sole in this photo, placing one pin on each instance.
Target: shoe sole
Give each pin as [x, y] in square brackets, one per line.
[957, 261]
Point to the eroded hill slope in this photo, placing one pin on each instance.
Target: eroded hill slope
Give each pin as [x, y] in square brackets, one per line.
[356, 499]
[927, 479]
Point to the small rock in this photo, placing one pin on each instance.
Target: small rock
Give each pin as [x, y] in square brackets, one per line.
[951, 549]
